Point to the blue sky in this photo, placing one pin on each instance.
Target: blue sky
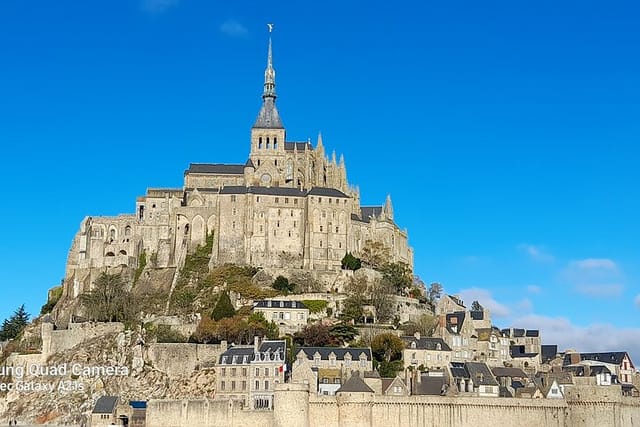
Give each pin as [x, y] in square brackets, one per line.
[506, 132]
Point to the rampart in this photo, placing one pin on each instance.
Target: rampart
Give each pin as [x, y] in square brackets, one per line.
[56, 340]
[183, 358]
[294, 407]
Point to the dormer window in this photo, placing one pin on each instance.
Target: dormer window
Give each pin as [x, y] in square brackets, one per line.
[413, 344]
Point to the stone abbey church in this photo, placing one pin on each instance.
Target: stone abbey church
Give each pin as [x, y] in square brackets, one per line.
[288, 206]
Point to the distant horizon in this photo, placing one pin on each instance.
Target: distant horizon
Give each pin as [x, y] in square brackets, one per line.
[505, 133]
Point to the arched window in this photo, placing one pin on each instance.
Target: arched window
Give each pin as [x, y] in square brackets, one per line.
[275, 142]
[127, 231]
[123, 252]
[260, 143]
[267, 143]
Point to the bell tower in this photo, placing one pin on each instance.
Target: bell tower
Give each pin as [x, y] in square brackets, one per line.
[268, 133]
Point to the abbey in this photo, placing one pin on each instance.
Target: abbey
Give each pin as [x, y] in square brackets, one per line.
[287, 206]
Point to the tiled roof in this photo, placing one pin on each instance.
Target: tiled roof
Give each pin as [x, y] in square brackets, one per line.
[355, 384]
[426, 343]
[340, 352]
[368, 212]
[268, 117]
[215, 168]
[477, 314]
[105, 405]
[243, 354]
[279, 304]
[532, 333]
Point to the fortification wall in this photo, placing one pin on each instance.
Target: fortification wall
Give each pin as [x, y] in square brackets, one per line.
[54, 341]
[183, 358]
[205, 413]
[296, 408]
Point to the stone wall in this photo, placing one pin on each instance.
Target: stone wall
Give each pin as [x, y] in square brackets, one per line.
[183, 358]
[54, 341]
[294, 407]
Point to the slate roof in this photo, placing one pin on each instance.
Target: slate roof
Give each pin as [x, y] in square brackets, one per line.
[532, 333]
[105, 405]
[300, 146]
[329, 192]
[426, 343]
[614, 357]
[338, 351]
[215, 168]
[268, 117]
[429, 385]
[368, 212]
[355, 384]
[269, 191]
[279, 304]
[459, 316]
[235, 355]
[477, 314]
[458, 370]
[500, 372]
[518, 351]
[480, 373]
[548, 352]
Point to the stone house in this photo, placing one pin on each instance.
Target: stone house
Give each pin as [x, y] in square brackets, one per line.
[473, 378]
[618, 362]
[510, 380]
[426, 352]
[325, 367]
[492, 346]
[449, 304]
[104, 412]
[519, 358]
[394, 387]
[456, 329]
[290, 316]
[249, 373]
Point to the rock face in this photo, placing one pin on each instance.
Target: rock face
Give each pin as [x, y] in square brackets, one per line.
[63, 387]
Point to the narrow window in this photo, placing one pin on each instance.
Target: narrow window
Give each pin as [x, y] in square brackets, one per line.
[259, 146]
[267, 143]
[275, 142]
[275, 162]
[321, 229]
[258, 199]
[277, 200]
[286, 200]
[295, 201]
[274, 232]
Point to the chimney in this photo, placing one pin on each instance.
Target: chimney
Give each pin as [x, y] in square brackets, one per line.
[256, 343]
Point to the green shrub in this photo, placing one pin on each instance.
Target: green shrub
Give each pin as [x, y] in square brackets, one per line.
[315, 305]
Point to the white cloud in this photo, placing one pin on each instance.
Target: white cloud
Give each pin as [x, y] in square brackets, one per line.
[594, 277]
[601, 289]
[525, 306]
[534, 289]
[157, 6]
[592, 338]
[596, 264]
[536, 253]
[483, 296]
[233, 28]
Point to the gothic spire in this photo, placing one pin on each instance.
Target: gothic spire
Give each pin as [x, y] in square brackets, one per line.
[268, 116]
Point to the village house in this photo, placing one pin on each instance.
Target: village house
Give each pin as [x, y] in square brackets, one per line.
[290, 316]
[618, 362]
[325, 368]
[492, 346]
[425, 353]
[104, 412]
[249, 373]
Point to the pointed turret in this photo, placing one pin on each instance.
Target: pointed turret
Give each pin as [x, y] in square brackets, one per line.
[333, 157]
[388, 208]
[268, 118]
[320, 146]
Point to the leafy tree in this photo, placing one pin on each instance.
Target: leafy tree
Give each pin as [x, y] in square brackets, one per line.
[257, 325]
[352, 309]
[223, 308]
[374, 254]
[166, 334]
[13, 326]
[381, 301]
[315, 335]
[475, 306]
[425, 325]
[282, 284]
[387, 347]
[434, 293]
[350, 262]
[206, 332]
[390, 369]
[343, 333]
[109, 300]
[398, 276]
